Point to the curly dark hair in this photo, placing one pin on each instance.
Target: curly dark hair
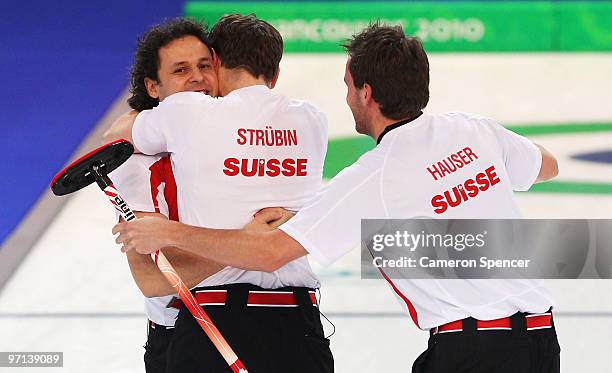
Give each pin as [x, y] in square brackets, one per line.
[249, 43]
[394, 65]
[146, 57]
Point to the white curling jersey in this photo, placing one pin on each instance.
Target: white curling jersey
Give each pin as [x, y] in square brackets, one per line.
[147, 185]
[235, 155]
[419, 169]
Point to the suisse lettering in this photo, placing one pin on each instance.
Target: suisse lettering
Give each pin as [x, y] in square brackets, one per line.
[465, 191]
[272, 167]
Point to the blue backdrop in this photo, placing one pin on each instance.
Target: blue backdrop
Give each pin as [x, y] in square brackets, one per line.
[62, 63]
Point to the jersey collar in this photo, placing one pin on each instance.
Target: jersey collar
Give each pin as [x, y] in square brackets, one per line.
[251, 88]
[394, 126]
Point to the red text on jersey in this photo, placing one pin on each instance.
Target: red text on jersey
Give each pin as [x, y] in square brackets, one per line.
[452, 163]
[265, 167]
[267, 137]
[465, 191]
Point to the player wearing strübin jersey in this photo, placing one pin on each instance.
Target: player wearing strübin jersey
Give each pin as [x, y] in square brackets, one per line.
[233, 156]
[171, 57]
[416, 169]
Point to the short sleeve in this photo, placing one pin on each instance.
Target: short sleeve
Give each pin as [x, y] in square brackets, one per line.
[132, 181]
[522, 158]
[330, 225]
[149, 133]
[169, 125]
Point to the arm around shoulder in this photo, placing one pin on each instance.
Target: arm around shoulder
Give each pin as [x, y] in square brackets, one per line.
[121, 128]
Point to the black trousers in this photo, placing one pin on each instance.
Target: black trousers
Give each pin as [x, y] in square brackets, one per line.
[491, 351]
[266, 339]
[158, 340]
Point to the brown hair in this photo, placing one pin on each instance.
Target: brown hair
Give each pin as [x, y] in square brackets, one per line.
[394, 65]
[249, 43]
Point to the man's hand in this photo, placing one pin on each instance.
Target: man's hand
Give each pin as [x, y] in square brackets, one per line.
[268, 219]
[145, 235]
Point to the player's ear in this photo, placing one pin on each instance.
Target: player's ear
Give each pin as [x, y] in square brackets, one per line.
[152, 87]
[366, 93]
[275, 78]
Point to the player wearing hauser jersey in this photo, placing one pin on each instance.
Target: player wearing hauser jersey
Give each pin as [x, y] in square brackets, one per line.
[452, 165]
[171, 57]
[233, 156]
